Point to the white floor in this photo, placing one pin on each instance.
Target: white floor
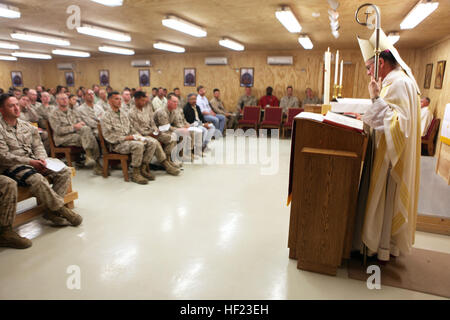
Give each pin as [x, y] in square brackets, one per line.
[215, 232]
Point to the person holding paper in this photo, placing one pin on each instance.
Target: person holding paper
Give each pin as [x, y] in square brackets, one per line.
[141, 118]
[23, 158]
[390, 215]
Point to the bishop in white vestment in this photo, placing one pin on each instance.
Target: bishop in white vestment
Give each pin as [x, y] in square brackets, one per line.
[391, 210]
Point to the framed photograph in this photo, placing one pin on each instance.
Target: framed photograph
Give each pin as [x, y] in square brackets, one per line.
[189, 77]
[440, 70]
[247, 77]
[428, 73]
[144, 78]
[16, 79]
[104, 78]
[70, 79]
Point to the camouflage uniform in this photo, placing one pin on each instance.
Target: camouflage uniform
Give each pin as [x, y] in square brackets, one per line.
[91, 116]
[29, 115]
[244, 101]
[8, 201]
[159, 103]
[126, 106]
[218, 107]
[19, 145]
[104, 105]
[177, 121]
[288, 102]
[181, 102]
[36, 105]
[116, 126]
[143, 122]
[64, 133]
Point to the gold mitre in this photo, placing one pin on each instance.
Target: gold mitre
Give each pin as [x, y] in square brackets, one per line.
[368, 52]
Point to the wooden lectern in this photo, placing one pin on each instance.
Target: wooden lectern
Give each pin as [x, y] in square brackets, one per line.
[325, 170]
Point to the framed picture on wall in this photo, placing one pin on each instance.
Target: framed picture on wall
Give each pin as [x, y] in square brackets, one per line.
[428, 72]
[440, 70]
[144, 78]
[70, 78]
[16, 79]
[104, 78]
[247, 77]
[189, 77]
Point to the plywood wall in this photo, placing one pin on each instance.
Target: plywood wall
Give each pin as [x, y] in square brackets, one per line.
[439, 97]
[31, 72]
[167, 71]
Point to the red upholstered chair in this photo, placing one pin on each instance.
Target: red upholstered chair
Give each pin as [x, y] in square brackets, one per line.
[272, 118]
[429, 140]
[292, 112]
[251, 118]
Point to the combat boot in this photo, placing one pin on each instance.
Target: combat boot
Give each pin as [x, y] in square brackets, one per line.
[55, 218]
[146, 173]
[9, 238]
[137, 177]
[170, 169]
[74, 218]
[174, 164]
[89, 162]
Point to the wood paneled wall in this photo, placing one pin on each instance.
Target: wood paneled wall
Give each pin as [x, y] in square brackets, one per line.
[167, 71]
[31, 72]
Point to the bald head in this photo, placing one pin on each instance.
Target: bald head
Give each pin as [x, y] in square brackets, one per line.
[32, 95]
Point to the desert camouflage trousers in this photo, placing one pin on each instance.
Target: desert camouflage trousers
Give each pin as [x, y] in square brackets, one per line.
[8, 201]
[141, 151]
[85, 138]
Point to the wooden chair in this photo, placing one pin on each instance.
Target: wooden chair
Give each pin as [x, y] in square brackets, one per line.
[251, 118]
[287, 125]
[273, 117]
[54, 150]
[429, 140]
[112, 156]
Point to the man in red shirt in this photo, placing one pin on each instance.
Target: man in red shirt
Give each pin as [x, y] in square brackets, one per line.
[269, 99]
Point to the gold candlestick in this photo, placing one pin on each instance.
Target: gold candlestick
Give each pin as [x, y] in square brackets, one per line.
[335, 89]
[339, 92]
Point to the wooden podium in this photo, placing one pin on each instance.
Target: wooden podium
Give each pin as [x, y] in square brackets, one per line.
[325, 170]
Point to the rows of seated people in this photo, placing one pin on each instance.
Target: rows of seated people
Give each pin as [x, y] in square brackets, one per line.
[143, 126]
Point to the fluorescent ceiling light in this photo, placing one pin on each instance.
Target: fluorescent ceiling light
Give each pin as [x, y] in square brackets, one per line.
[393, 37]
[111, 49]
[8, 58]
[34, 37]
[103, 33]
[9, 12]
[72, 53]
[110, 3]
[8, 45]
[168, 47]
[230, 44]
[288, 20]
[421, 10]
[21, 54]
[305, 41]
[184, 26]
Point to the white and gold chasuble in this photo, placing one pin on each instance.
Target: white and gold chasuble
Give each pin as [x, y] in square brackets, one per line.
[391, 211]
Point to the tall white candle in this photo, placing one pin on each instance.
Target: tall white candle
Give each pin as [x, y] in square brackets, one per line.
[336, 67]
[342, 71]
[326, 78]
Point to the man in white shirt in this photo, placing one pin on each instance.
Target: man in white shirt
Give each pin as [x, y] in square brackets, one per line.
[426, 115]
[160, 101]
[218, 120]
